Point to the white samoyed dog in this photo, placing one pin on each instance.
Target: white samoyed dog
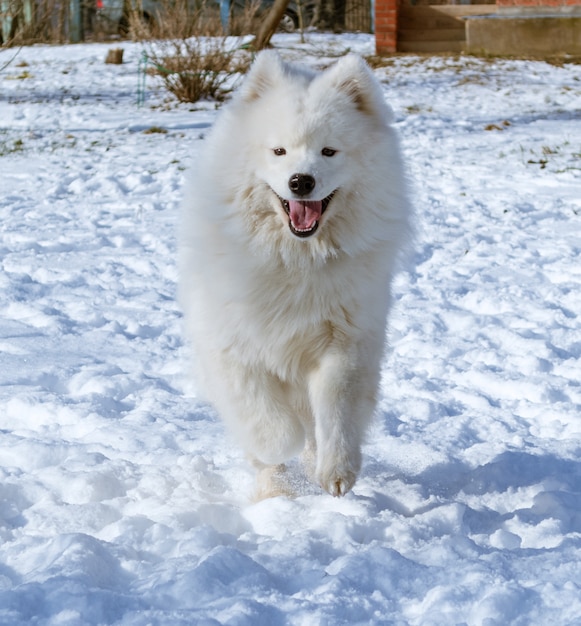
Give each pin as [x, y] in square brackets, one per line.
[292, 223]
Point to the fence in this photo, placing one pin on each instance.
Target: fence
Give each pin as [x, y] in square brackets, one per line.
[358, 17]
[45, 20]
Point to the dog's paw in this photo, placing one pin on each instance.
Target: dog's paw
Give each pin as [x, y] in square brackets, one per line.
[338, 483]
[337, 471]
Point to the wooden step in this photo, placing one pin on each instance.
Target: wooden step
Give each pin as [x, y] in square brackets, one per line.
[440, 16]
[431, 34]
[426, 17]
[431, 46]
[457, 11]
[436, 28]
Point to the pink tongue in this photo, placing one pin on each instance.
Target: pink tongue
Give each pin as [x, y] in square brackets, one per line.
[304, 213]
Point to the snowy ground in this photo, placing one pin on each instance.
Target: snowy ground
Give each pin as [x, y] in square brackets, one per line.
[121, 500]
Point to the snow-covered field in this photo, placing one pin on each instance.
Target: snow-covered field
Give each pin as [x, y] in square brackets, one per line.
[121, 499]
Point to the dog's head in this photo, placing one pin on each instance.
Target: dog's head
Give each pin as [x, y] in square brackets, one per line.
[310, 137]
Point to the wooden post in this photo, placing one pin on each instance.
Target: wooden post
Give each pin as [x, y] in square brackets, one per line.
[114, 56]
[7, 20]
[75, 21]
[270, 24]
[225, 16]
[28, 11]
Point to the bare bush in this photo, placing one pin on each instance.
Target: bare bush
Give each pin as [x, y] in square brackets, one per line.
[198, 68]
[189, 50]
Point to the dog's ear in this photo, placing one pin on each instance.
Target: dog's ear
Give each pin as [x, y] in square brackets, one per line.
[352, 76]
[266, 71]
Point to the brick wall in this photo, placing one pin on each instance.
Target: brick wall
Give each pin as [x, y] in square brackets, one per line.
[386, 26]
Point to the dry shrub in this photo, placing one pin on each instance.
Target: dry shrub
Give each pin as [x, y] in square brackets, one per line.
[172, 21]
[198, 68]
[247, 21]
[190, 51]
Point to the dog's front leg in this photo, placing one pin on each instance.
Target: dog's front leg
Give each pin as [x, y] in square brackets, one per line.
[343, 401]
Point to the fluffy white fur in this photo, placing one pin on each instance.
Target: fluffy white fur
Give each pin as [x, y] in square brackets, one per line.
[289, 331]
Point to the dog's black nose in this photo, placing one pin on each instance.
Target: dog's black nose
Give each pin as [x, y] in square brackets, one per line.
[301, 184]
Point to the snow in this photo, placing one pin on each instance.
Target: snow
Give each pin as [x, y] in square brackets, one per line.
[122, 501]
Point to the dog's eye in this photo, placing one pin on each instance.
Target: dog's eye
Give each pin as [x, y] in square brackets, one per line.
[328, 152]
[279, 151]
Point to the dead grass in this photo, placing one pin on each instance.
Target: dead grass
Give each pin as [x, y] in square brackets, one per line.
[461, 59]
[177, 20]
[155, 130]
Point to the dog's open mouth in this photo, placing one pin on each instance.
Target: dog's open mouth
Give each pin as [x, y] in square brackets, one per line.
[304, 215]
